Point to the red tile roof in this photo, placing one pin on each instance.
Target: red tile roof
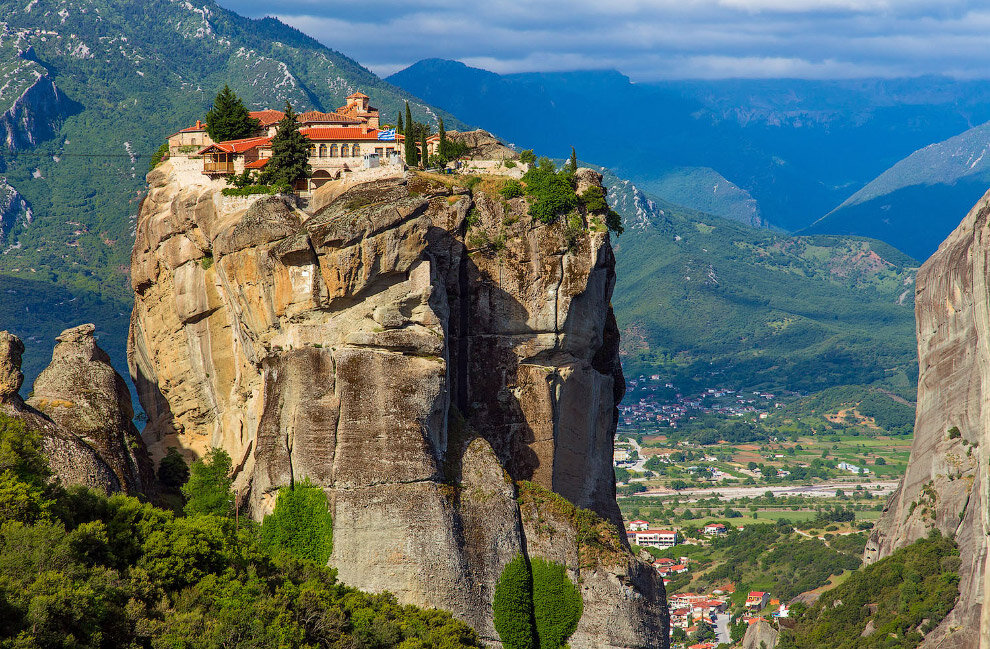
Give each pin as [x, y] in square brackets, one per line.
[357, 95]
[267, 117]
[338, 133]
[238, 146]
[257, 164]
[315, 116]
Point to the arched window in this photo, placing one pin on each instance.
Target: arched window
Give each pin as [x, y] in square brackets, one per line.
[312, 150]
[323, 150]
[333, 150]
[356, 150]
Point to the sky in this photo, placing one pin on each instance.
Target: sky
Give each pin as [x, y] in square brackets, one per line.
[651, 40]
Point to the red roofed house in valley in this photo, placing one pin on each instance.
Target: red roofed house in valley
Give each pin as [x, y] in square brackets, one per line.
[654, 538]
[757, 600]
[715, 529]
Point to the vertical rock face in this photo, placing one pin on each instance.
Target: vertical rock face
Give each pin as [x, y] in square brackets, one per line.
[946, 483]
[414, 349]
[82, 409]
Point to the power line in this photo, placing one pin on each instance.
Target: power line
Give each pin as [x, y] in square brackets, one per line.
[31, 154]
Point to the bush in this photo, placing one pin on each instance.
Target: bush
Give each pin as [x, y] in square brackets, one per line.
[527, 157]
[172, 470]
[250, 190]
[300, 525]
[954, 433]
[557, 604]
[208, 489]
[513, 605]
[159, 156]
[551, 190]
[511, 189]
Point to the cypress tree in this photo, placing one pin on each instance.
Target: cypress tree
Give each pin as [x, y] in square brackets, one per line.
[398, 127]
[573, 160]
[290, 152]
[444, 148]
[410, 133]
[426, 152]
[228, 119]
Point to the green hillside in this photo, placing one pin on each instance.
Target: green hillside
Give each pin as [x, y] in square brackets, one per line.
[127, 74]
[701, 298]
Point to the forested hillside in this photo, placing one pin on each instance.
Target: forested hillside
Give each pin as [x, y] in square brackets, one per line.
[708, 299]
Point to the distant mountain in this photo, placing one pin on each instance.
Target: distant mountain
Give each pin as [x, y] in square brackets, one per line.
[791, 150]
[702, 299]
[88, 91]
[917, 202]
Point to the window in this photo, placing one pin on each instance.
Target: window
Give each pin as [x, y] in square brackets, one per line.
[356, 150]
[333, 150]
[323, 150]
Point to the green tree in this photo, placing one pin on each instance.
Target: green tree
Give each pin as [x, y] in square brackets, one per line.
[573, 161]
[25, 493]
[228, 119]
[412, 158]
[557, 605]
[527, 157]
[159, 156]
[513, 606]
[301, 524]
[173, 472]
[398, 125]
[290, 152]
[551, 190]
[208, 489]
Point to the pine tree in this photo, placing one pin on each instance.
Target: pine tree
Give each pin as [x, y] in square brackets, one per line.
[398, 128]
[228, 119]
[290, 152]
[410, 132]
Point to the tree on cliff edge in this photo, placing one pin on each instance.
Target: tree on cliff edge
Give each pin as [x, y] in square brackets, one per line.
[290, 152]
[208, 490]
[228, 119]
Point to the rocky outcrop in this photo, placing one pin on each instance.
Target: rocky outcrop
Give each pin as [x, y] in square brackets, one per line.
[760, 635]
[81, 408]
[482, 145]
[415, 349]
[945, 486]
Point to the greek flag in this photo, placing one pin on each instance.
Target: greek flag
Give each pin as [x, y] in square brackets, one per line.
[386, 136]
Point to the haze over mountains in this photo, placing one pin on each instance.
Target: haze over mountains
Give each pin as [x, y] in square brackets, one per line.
[780, 153]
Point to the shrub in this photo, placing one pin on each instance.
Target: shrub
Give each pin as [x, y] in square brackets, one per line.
[300, 525]
[511, 189]
[172, 470]
[954, 433]
[527, 157]
[250, 190]
[513, 606]
[551, 191]
[557, 604]
[159, 156]
[208, 490]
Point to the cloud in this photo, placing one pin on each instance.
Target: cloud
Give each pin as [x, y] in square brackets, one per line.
[656, 39]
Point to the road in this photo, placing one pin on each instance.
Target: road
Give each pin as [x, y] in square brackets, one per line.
[879, 488]
[722, 628]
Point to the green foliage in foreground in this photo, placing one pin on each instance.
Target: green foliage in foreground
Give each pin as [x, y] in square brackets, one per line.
[536, 605]
[84, 570]
[513, 605]
[301, 524]
[916, 583]
[557, 604]
[250, 190]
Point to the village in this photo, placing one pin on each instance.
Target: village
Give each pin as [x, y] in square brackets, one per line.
[701, 616]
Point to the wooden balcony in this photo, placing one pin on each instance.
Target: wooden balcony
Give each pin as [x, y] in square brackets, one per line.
[218, 167]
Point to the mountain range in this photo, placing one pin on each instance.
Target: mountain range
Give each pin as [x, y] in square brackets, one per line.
[780, 153]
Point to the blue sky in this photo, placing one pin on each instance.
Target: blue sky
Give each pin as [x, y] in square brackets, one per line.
[655, 39]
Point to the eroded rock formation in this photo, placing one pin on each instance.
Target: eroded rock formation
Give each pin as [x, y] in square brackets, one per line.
[419, 351]
[946, 483]
[82, 409]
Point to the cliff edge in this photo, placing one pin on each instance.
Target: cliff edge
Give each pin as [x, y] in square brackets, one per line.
[945, 486]
[443, 365]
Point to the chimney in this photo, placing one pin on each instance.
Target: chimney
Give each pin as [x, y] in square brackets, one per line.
[199, 124]
[364, 127]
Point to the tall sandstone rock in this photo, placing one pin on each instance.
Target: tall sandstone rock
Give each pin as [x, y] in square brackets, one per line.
[442, 365]
[946, 483]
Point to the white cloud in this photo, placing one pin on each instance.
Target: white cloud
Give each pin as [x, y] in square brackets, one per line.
[654, 39]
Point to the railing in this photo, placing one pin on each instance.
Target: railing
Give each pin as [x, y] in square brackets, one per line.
[218, 167]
